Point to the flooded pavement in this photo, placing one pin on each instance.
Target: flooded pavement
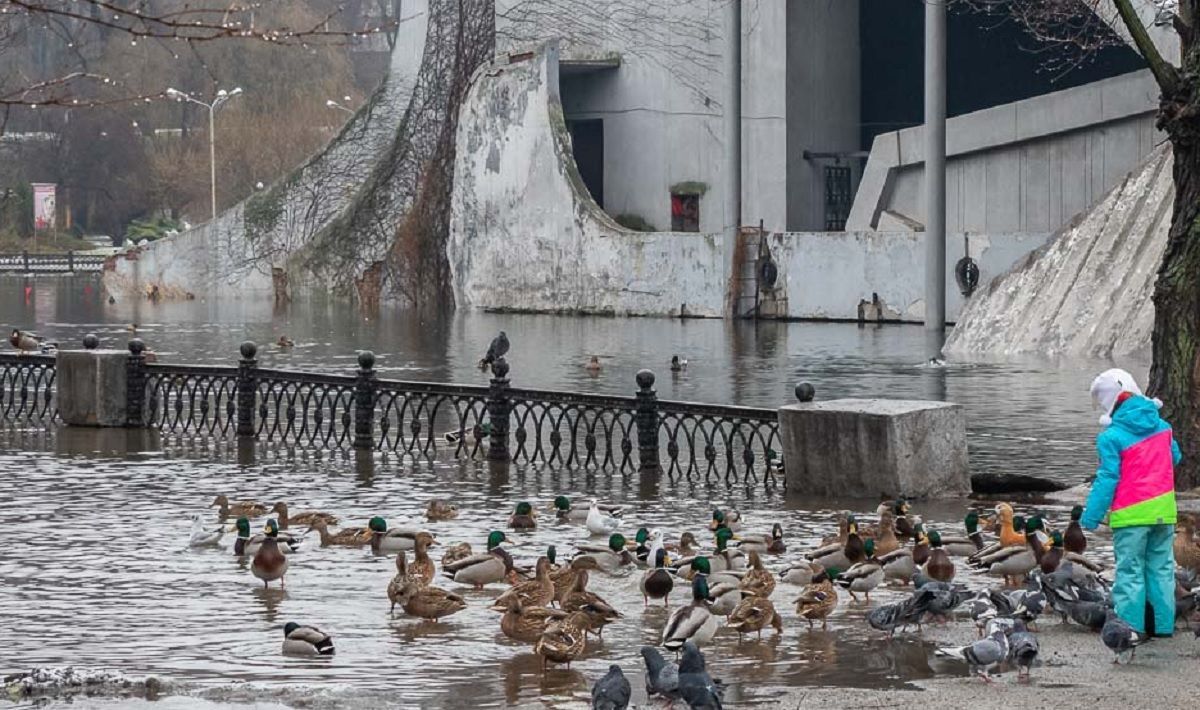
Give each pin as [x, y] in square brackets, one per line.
[95, 570]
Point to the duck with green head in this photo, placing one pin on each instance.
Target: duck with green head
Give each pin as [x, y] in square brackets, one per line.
[269, 563]
[762, 543]
[730, 519]
[610, 558]
[487, 568]
[247, 545]
[1052, 557]
[641, 550]
[727, 558]
[965, 546]
[657, 582]
[845, 551]
[1074, 540]
[864, 576]
[939, 566]
[522, 517]
[1013, 563]
[695, 621]
[818, 599]
[385, 540]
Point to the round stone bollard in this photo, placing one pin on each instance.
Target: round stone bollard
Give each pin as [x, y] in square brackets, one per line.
[90, 342]
[805, 392]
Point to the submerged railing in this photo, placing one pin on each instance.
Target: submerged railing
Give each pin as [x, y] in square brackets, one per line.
[61, 263]
[426, 420]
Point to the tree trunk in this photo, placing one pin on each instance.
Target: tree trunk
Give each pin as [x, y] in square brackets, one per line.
[1175, 372]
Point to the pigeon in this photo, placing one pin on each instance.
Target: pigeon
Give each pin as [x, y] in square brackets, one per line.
[903, 613]
[1089, 614]
[696, 686]
[981, 656]
[495, 351]
[1119, 636]
[1022, 652]
[662, 676]
[612, 691]
[943, 600]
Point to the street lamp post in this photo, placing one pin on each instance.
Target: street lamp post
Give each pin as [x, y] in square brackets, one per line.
[341, 107]
[222, 97]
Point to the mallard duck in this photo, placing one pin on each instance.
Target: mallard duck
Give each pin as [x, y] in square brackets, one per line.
[202, 536]
[969, 545]
[695, 621]
[599, 523]
[564, 510]
[1073, 539]
[864, 576]
[538, 591]
[844, 555]
[522, 517]
[599, 612]
[763, 543]
[306, 641]
[687, 545]
[730, 519]
[456, 553]
[308, 517]
[1013, 563]
[385, 540]
[438, 510]
[898, 565]
[642, 544]
[398, 582]
[1052, 557]
[920, 548]
[818, 599]
[610, 558]
[1187, 549]
[25, 342]
[247, 508]
[939, 566]
[724, 592]
[593, 365]
[269, 563]
[564, 579]
[725, 558]
[758, 580]
[285, 342]
[1012, 528]
[885, 539]
[248, 545]
[752, 615]
[346, 537]
[422, 568]
[487, 568]
[527, 623]
[839, 538]
[427, 602]
[563, 641]
[800, 573]
[657, 582]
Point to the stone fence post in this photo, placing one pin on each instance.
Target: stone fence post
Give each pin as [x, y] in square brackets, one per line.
[364, 401]
[135, 384]
[247, 388]
[647, 421]
[499, 407]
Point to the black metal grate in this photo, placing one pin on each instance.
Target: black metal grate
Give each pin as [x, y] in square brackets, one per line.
[839, 196]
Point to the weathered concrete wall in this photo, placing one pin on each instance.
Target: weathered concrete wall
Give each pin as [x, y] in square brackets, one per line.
[868, 448]
[526, 235]
[91, 387]
[824, 275]
[1028, 166]
[1088, 292]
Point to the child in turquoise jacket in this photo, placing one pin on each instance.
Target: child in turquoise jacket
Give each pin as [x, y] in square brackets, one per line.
[1136, 482]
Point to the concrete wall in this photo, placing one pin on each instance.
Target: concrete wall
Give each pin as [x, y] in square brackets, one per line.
[526, 235]
[1028, 166]
[822, 101]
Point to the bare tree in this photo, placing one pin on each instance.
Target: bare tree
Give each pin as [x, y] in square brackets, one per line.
[1082, 26]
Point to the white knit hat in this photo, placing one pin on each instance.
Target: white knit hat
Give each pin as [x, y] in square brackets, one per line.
[1108, 385]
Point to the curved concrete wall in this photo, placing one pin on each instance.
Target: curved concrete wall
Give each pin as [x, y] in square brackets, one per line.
[244, 244]
[526, 235]
[1088, 292]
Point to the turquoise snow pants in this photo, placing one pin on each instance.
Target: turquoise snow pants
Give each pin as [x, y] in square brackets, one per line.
[1145, 575]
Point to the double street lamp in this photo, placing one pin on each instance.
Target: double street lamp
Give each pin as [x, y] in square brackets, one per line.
[341, 107]
[221, 98]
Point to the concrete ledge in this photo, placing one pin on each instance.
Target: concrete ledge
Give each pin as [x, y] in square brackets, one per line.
[91, 387]
[867, 448]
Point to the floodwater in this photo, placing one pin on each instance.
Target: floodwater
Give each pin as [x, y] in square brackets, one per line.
[95, 570]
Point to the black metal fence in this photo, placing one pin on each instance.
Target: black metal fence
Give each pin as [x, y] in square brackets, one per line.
[427, 420]
[67, 263]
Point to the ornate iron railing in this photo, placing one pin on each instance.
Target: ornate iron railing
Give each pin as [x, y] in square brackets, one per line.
[428, 420]
[27, 391]
[67, 263]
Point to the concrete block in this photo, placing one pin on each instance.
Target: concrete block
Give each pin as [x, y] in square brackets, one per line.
[91, 387]
[865, 448]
